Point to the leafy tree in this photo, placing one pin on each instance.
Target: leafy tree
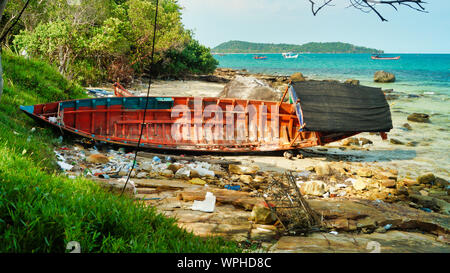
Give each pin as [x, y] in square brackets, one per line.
[109, 39]
[194, 58]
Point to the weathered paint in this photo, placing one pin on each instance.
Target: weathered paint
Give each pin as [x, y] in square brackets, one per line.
[118, 120]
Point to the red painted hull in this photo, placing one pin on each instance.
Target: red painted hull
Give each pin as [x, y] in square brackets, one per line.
[385, 58]
[242, 126]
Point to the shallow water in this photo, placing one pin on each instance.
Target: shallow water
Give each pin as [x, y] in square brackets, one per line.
[422, 81]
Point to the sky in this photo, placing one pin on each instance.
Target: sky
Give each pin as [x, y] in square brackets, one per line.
[292, 22]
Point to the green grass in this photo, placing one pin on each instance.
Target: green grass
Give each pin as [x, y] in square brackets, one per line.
[42, 210]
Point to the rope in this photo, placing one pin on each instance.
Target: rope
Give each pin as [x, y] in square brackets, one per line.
[146, 102]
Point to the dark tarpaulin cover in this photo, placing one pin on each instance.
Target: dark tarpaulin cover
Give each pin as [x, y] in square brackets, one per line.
[338, 107]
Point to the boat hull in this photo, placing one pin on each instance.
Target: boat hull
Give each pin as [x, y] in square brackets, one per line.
[184, 123]
[385, 58]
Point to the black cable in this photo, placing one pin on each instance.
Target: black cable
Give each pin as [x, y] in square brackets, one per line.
[146, 102]
[15, 23]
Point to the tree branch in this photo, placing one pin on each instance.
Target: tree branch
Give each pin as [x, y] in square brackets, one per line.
[15, 22]
[371, 5]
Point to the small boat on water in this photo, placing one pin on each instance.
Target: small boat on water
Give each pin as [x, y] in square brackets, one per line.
[319, 113]
[260, 57]
[378, 57]
[290, 55]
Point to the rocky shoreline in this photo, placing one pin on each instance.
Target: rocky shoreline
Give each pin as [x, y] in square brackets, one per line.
[358, 201]
[352, 199]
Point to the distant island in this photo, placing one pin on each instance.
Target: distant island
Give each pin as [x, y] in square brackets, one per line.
[334, 47]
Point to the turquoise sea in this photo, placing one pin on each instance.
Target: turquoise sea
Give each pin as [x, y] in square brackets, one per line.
[415, 72]
[422, 85]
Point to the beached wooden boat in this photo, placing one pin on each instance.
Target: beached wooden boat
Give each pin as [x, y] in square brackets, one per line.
[221, 124]
[385, 58]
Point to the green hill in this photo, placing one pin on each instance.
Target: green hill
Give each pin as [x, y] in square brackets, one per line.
[335, 47]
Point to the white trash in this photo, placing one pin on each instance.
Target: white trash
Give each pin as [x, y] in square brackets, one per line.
[183, 173]
[64, 166]
[352, 180]
[207, 205]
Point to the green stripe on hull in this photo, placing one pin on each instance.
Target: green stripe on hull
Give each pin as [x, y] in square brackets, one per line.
[136, 103]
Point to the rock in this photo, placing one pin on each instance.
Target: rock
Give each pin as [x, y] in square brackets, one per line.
[383, 77]
[388, 242]
[322, 169]
[390, 183]
[288, 155]
[249, 88]
[314, 188]
[427, 178]
[407, 126]
[141, 175]
[392, 96]
[116, 186]
[396, 141]
[365, 141]
[97, 159]
[167, 173]
[197, 181]
[259, 179]
[419, 117]
[174, 167]
[386, 176]
[220, 173]
[262, 215]
[364, 172]
[239, 169]
[381, 230]
[412, 143]
[431, 203]
[423, 192]
[441, 182]
[373, 214]
[297, 77]
[359, 184]
[410, 182]
[350, 141]
[352, 82]
[263, 233]
[247, 179]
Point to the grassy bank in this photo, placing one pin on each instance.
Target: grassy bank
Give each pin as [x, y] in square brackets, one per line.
[41, 211]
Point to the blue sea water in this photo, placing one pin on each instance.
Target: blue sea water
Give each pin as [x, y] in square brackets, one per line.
[422, 80]
[415, 73]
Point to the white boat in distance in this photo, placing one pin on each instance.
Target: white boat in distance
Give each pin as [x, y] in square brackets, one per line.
[289, 55]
